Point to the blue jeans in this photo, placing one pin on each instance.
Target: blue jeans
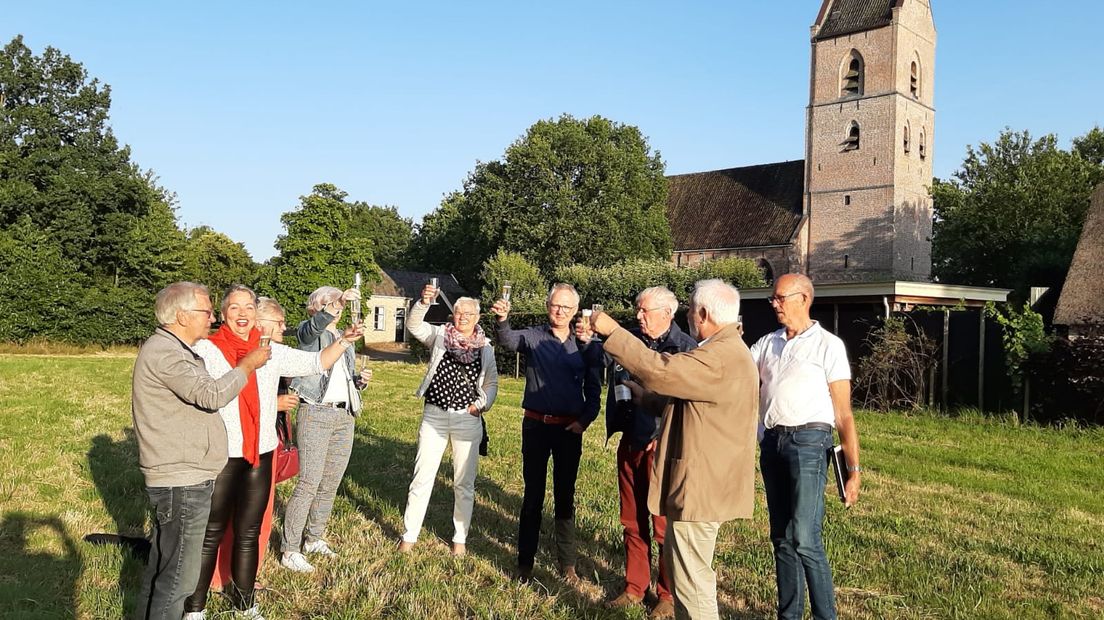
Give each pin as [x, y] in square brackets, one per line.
[172, 570]
[794, 466]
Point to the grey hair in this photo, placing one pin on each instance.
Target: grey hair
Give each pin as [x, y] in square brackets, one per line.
[176, 297]
[468, 301]
[560, 286]
[802, 283]
[321, 296]
[720, 299]
[268, 306]
[661, 295]
[236, 288]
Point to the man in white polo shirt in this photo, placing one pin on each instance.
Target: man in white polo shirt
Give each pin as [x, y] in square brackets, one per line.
[805, 392]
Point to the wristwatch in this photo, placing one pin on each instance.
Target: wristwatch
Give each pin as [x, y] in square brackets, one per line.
[854, 468]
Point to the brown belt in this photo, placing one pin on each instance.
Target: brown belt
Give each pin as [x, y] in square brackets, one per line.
[549, 419]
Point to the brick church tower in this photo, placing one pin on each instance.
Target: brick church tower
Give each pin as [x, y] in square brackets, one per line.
[870, 124]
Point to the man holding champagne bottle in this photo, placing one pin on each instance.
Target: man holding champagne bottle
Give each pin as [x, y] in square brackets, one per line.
[637, 419]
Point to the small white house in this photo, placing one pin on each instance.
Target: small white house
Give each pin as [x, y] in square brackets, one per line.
[386, 309]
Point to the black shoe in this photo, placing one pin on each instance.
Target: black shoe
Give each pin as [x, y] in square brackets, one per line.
[525, 574]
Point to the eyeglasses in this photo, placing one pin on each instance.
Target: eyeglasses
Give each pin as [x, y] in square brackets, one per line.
[467, 314]
[279, 322]
[562, 309]
[647, 310]
[209, 313]
[780, 299]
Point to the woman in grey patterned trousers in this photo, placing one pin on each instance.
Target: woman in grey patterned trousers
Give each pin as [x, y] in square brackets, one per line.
[330, 403]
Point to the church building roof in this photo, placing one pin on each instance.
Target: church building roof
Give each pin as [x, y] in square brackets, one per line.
[753, 206]
[840, 17]
[1082, 299]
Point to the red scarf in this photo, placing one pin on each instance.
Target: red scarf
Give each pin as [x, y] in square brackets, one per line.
[249, 402]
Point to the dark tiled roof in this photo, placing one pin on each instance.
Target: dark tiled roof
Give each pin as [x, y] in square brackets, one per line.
[739, 207]
[1082, 300]
[849, 16]
[410, 283]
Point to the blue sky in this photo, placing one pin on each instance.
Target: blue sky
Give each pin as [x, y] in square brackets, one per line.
[242, 107]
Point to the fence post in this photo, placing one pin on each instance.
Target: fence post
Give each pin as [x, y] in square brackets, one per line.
[946, 356]
[1027, 398]
[981, 360]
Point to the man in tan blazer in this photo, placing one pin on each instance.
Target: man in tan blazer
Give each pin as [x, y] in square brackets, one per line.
[704, 471]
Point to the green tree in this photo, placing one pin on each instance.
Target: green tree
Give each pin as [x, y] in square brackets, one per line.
[1091, 146]
[61, 166]
[317, 249]
[527, 288]
[569, 191]
[39, 287]
[216, 260]
[1013, 213]
[390, 233]
[617, 285]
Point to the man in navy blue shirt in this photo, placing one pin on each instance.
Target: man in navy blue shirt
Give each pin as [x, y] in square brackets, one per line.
[638, 422]
[563, 388]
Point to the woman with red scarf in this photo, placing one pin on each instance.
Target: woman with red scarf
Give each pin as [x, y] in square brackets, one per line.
[460, 385]
[243, 488]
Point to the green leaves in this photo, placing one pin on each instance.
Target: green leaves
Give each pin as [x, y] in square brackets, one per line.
[527, 288]
[1013, 213]
[569, 191]
[389, 232]
[320, 248]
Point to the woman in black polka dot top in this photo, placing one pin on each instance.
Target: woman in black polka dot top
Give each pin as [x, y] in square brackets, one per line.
[459, 387]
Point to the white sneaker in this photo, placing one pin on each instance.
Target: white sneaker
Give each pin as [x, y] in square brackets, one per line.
[320, 547]
[296, 562]
[253, 613]
[196, 615]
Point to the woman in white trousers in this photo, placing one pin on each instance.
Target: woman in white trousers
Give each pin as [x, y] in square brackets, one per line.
[459, 387]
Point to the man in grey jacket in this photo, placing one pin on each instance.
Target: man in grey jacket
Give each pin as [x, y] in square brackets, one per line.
[181, 441]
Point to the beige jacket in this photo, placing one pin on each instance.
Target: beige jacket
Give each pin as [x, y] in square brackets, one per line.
[704, 466]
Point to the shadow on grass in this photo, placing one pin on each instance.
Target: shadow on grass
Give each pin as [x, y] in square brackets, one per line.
[37, 584]
[114, 468]
[381, 468]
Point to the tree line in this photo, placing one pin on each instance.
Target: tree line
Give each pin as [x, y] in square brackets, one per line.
[87, 235]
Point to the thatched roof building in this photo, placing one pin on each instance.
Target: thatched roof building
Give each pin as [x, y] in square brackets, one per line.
[1081, 306]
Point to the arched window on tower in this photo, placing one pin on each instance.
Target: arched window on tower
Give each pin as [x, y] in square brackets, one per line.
[852, 142]
[853, 75]
[908, 143]
[916, 77]
[923, 145]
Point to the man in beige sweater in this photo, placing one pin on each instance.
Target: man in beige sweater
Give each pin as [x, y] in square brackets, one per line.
[181, 441]
[705, 461]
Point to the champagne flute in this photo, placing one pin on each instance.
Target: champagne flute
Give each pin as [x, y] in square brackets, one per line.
[266, 337]
[596, 308]
[433, 282]
[584, 320]
[354, 312]
[506, 291]
[360, 363]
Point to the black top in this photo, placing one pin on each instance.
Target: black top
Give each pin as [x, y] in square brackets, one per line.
[642, 426]
[453, 384]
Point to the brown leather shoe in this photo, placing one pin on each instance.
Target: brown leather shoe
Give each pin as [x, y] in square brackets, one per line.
[571, 577]
[625, 601]
[663, 609]
[405, 547]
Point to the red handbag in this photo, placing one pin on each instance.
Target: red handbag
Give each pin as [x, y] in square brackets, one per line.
[286, 459]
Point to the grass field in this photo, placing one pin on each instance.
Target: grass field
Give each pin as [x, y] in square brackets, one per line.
[959, 518]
